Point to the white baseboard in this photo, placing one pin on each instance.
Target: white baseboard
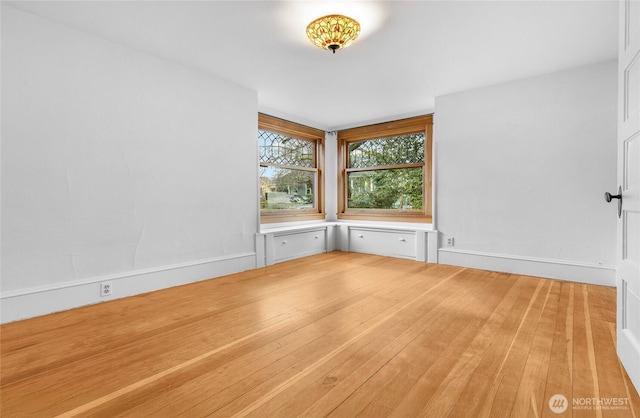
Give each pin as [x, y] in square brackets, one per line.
[530, 266]
[32, 302]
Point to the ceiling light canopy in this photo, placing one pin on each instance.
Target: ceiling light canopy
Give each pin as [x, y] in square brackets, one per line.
[333, 32]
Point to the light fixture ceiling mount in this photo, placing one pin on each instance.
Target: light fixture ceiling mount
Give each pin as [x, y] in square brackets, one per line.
[333, 32]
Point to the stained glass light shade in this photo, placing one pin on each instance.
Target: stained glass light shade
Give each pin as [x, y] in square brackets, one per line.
[333, 32]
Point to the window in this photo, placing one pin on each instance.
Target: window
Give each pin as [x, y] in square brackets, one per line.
[291, 166]
[385, 171]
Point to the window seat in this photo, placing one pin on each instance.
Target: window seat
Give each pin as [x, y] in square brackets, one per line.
[280, 242]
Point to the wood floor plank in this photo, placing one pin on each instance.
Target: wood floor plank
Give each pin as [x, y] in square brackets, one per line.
[530, 396]
[585, 384]
[600, 303]
[502, 396]
[354, 374]
[382, 393]
[489, 309]
[477, 392]
[341, 351]
[240, 383]
[422, 358]
[560, 374]
[340, 334]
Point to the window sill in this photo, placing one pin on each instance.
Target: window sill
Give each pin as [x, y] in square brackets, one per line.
[398, 226]
[294, 226]
[305, 225]
[416, 219]
[290, 217]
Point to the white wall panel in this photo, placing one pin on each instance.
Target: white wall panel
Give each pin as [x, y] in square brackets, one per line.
[522, 168]
[114, 161]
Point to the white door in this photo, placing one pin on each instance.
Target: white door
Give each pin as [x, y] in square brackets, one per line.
[628, 251]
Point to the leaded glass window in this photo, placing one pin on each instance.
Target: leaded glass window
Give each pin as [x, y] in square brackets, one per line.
[289, 174]
[284, 150]
[396, 150]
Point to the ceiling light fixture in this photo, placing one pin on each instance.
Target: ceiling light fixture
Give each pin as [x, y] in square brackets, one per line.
[333, 32]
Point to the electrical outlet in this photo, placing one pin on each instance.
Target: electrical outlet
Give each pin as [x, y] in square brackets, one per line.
[106, 289]
[450, 242]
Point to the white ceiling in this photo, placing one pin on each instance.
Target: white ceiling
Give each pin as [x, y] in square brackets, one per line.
[409, 52]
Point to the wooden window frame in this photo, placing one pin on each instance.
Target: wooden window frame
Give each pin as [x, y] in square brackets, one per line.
[383, 130]
[285, 127]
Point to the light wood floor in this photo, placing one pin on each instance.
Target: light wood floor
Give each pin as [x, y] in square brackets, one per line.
[338, 334]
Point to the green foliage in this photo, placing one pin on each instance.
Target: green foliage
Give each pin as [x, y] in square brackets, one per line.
[395, 150]
[386, 189]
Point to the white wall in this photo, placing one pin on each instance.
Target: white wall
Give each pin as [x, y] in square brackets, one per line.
[521, 172]
[117, 165]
